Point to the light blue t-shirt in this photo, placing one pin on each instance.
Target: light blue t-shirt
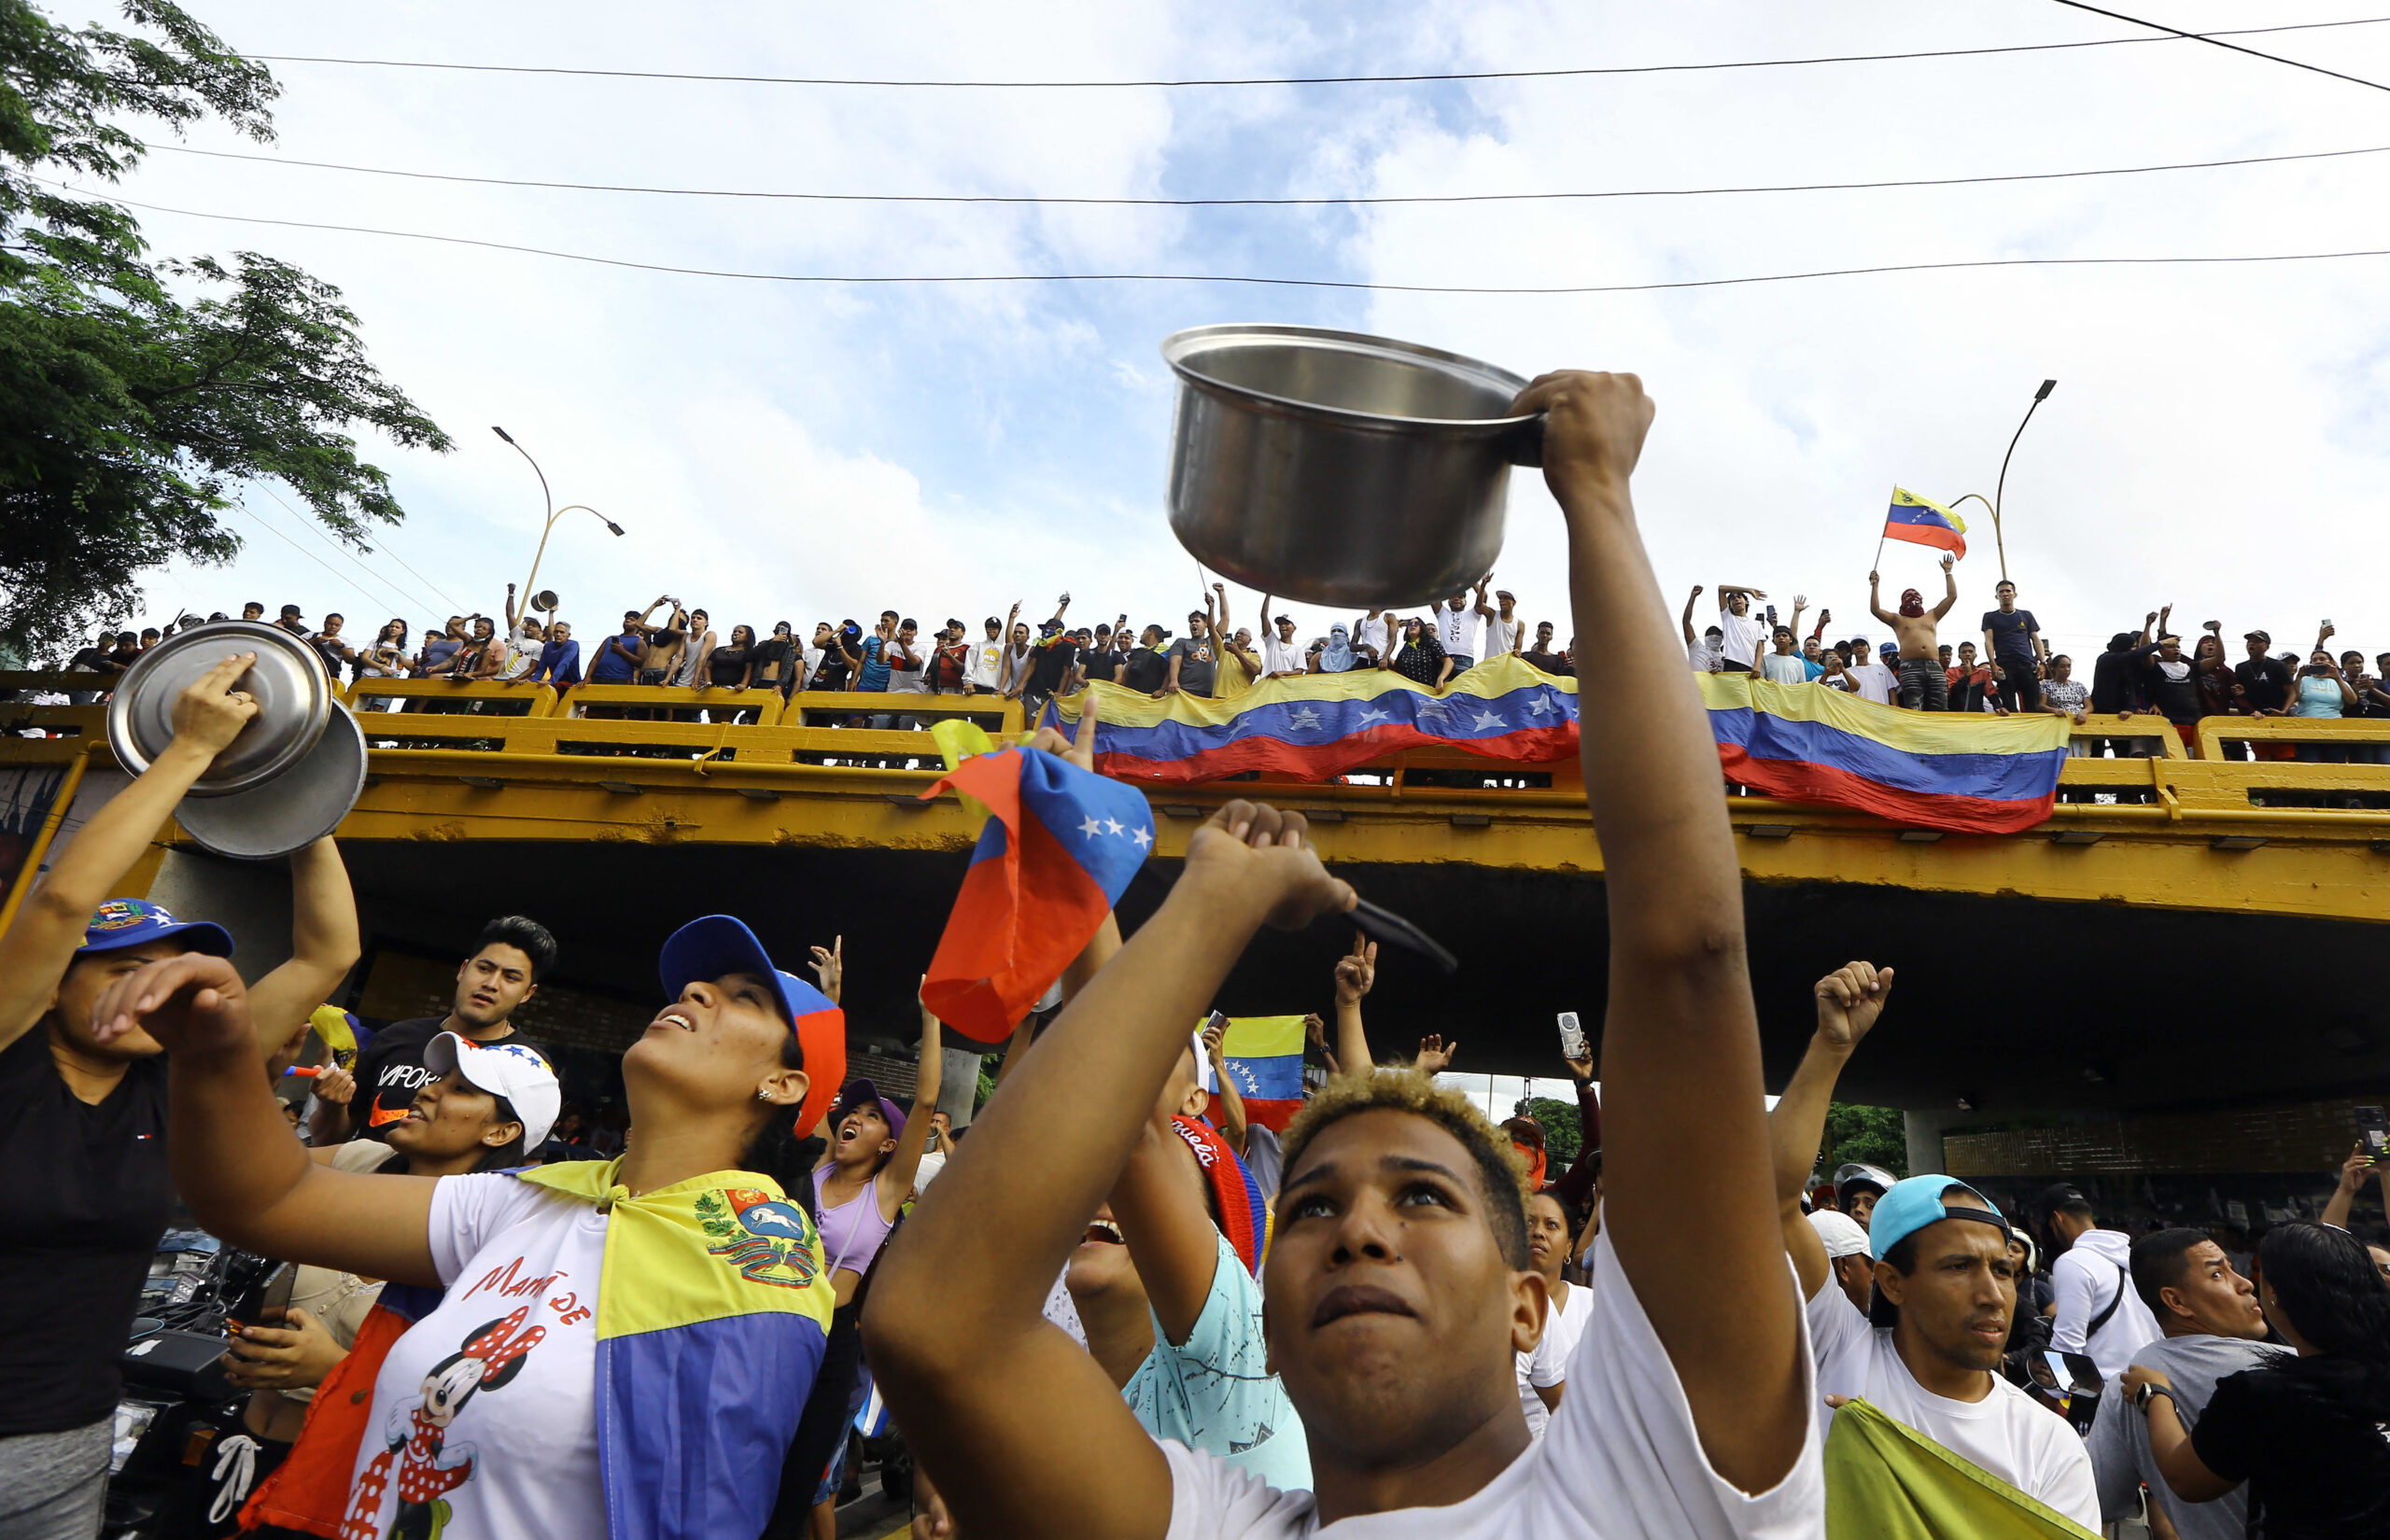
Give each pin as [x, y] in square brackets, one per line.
[1214, 1392]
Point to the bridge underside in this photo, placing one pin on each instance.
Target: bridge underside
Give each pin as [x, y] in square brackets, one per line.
[2016, 1005]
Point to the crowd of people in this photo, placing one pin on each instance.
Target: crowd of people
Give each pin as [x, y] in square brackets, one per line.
[2015, 669]
[1110, 1304]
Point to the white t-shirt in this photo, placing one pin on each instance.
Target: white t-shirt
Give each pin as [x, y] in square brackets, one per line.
[1501, 636]
[1378, 634]
[1281, 657]
[1620, 1461]
[1457, 629]
[1703, 657]
[1874, 681]
[1783, 668]
[1548, 1366]
[1746, 635]
[505, 1435]
[2006, 1432]
[904, 681]
[986, 657]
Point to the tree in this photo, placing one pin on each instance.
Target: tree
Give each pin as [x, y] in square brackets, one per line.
[1562, 1132]
[1875, 1135]
[133, 394]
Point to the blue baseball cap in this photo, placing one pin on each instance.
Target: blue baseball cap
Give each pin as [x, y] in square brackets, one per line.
[717, 944]
[120, 923]
[1910, 1205]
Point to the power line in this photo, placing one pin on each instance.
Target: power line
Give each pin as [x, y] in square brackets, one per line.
[878, 280]
[454, 607]
[1422, 77]
[2213, 37]
[389, 586]
[301, 549]
[1275, 202]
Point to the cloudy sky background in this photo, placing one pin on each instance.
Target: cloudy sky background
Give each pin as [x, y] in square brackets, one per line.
[806, 452]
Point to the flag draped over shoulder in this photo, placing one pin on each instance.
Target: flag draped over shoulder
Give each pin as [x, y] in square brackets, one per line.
[1887, 1481]
[1264, 1055]
[1922, 523]
[1964, 773]
[1057, 850]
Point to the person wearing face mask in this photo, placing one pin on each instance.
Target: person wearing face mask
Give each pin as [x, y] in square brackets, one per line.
[573, 1377]
[1335, 654]
[2213, 1329]
[482, 1109]
[85, 1189]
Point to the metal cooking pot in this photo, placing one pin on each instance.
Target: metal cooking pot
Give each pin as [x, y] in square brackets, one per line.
[292, 775]
[1338, 469]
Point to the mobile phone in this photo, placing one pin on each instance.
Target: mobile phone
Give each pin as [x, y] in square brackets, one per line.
[1572, 1036]
[2374, 1132]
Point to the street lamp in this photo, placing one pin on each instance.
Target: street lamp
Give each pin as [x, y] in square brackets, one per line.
[1997, 544]
[553, 513]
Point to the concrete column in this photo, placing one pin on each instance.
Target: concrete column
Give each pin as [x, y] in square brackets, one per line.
[251, 899]
[959, 1086]
[1924, 1130]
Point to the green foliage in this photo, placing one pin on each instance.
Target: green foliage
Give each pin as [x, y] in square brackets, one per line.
[133, 394]
[1873, 1134]
[1562, 1134]
[987, 1088]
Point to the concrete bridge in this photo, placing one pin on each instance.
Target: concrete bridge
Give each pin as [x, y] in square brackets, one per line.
[2186, 938]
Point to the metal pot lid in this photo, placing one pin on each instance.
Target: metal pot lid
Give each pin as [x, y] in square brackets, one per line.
[302, 805]
[294, 698]
[1204, 356]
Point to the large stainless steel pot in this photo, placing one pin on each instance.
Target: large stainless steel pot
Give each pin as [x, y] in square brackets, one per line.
[295, 770]
[1332, 467]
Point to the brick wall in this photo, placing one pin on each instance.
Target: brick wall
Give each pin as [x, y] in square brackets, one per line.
[2307, 1137]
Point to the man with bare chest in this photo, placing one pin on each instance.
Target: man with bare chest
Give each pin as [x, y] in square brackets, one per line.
[1923, 684]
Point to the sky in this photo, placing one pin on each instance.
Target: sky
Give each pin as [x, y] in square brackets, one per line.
[803, 452]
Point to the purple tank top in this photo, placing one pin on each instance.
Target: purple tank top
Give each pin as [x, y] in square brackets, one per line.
[851, 1233]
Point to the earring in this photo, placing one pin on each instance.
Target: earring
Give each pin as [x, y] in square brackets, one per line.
[763, 1096]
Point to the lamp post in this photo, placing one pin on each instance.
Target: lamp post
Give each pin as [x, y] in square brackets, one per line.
[553, 513]
[1997, 544]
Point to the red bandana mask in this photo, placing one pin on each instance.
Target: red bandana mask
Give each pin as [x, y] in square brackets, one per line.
[1912, 602]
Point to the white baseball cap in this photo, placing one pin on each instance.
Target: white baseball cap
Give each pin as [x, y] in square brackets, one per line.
[515, 1071]
[1841, 1233]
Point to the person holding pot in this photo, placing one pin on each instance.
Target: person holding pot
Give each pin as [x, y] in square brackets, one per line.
[83, 1116]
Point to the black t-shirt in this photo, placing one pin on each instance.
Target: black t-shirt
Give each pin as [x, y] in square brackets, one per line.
[831, 674]
[1048, 664]
[84, 1197]
[91, 661]
[2011, 632]
[1550, 662]
[1199, 661]
[2318, 1467]
[1148, 668]
[2114, 686]
[389, 1070]
[2178, 698]
[764, 654]
[1103, 664]
[2267, 681]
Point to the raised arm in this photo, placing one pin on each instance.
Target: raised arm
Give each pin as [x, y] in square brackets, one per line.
[1849, 998]
[231, 1152]
[2352, 1174]
[896, 1177]
[1691, 599]
[1578, 1185]
[1024, 1431]
[324, 945]
[39, 946]
[1949, 584]
[1481, 607]
[1357, 971]
[1874, 598]
[1232, 1122]
[1693, 1221]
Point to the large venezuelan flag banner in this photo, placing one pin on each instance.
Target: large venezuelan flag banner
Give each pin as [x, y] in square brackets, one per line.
[1803, 742]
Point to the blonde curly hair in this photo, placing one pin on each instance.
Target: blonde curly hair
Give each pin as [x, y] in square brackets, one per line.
[1499, 1169]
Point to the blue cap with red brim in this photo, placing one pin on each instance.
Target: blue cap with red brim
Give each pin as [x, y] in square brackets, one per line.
[718, 944]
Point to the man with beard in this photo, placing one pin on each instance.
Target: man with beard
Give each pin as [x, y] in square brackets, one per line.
[1926, 1350]
[1924, 687]
[503, 972]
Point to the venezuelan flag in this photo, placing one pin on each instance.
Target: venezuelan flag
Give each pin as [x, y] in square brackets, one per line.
[1971, 775]
[1319, 726]
[1803, 742]
[1265, 1059]
[1922, 523]
[1057, 852]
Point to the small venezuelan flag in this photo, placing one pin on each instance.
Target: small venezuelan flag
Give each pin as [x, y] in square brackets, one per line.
[1057, 850]
[1922, 523]
[1265, 1059]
